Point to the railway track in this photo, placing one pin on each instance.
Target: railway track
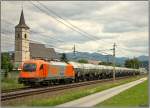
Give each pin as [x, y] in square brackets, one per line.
[27, 92]
[13, 90]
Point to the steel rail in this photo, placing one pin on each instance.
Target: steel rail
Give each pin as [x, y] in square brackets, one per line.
[28, 92]
[15, 89]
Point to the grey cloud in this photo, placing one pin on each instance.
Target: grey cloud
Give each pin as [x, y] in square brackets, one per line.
[129, 19]
[7, 43]
[73, 10]
[119, 21]
[136, 43]
[120, 27]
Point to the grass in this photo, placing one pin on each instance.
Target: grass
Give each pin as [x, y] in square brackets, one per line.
[10, 82]
[78, 93]
[135, 96]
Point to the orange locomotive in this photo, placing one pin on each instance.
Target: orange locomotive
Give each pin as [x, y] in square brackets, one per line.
[41, 72]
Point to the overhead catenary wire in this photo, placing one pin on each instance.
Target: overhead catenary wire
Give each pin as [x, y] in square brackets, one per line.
[69, 25]
[78, 29]
[43, 36]
[10, 42]
[50, 10]
[33, 40]
[89, 36]
[43, 33]
[73, 27]
[120, 48]
[64, 23]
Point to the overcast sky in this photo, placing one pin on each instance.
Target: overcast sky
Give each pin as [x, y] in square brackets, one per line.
[101, 24]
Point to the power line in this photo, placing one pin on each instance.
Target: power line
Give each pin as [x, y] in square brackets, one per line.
[30, 39]
[36, 41]
[89, 35]
[58, 20]
[50, 37]
[93, 37]
[63, 20]
[86, 35]
[41, 33]
[38, 33]
[66, 21]
[74, 28]
[42, 43]
[121, 48]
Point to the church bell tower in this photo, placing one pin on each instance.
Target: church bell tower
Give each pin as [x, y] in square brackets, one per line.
[21, 42]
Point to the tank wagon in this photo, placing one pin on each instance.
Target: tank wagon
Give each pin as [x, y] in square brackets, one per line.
[44, 73]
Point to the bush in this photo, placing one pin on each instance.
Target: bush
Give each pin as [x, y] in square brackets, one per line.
[82, 61]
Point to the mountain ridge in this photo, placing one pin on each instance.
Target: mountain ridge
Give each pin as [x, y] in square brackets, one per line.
[99, 57]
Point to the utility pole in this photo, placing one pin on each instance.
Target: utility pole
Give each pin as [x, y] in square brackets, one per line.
[74, 49]
[114, 51]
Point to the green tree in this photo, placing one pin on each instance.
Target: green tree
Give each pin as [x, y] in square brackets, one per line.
[106, 63]
[64, 58]
[132, 63]
[82, 61]
[6, 63]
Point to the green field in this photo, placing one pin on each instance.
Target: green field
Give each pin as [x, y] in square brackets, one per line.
[135, 96]
[78, 93]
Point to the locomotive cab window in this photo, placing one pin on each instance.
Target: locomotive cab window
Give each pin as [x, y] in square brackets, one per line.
[41, 67]
[29, 67]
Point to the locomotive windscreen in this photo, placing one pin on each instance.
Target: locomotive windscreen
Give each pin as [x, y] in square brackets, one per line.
[29, 67]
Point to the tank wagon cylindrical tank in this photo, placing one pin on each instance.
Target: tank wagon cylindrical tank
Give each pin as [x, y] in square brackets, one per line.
[44, 73]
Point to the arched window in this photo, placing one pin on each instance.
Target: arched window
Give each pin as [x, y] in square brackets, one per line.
[25, 36]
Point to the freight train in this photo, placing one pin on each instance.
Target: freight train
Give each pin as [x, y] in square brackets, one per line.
[40, 72]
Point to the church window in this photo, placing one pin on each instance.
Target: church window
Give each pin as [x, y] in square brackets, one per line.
[18, 36]
[25, 36]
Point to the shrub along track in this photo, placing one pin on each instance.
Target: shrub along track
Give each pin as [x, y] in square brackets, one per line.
[22, 93]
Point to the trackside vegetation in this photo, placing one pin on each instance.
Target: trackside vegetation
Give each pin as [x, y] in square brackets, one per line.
[6, 64]
[78, 93]
[135, 96]
[11, 82]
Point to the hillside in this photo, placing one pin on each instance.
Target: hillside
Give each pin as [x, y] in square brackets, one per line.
[100, 57]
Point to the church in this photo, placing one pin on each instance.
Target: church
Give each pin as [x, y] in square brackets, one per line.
[25, 50]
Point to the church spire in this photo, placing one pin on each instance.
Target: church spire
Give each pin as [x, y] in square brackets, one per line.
[22, 22]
